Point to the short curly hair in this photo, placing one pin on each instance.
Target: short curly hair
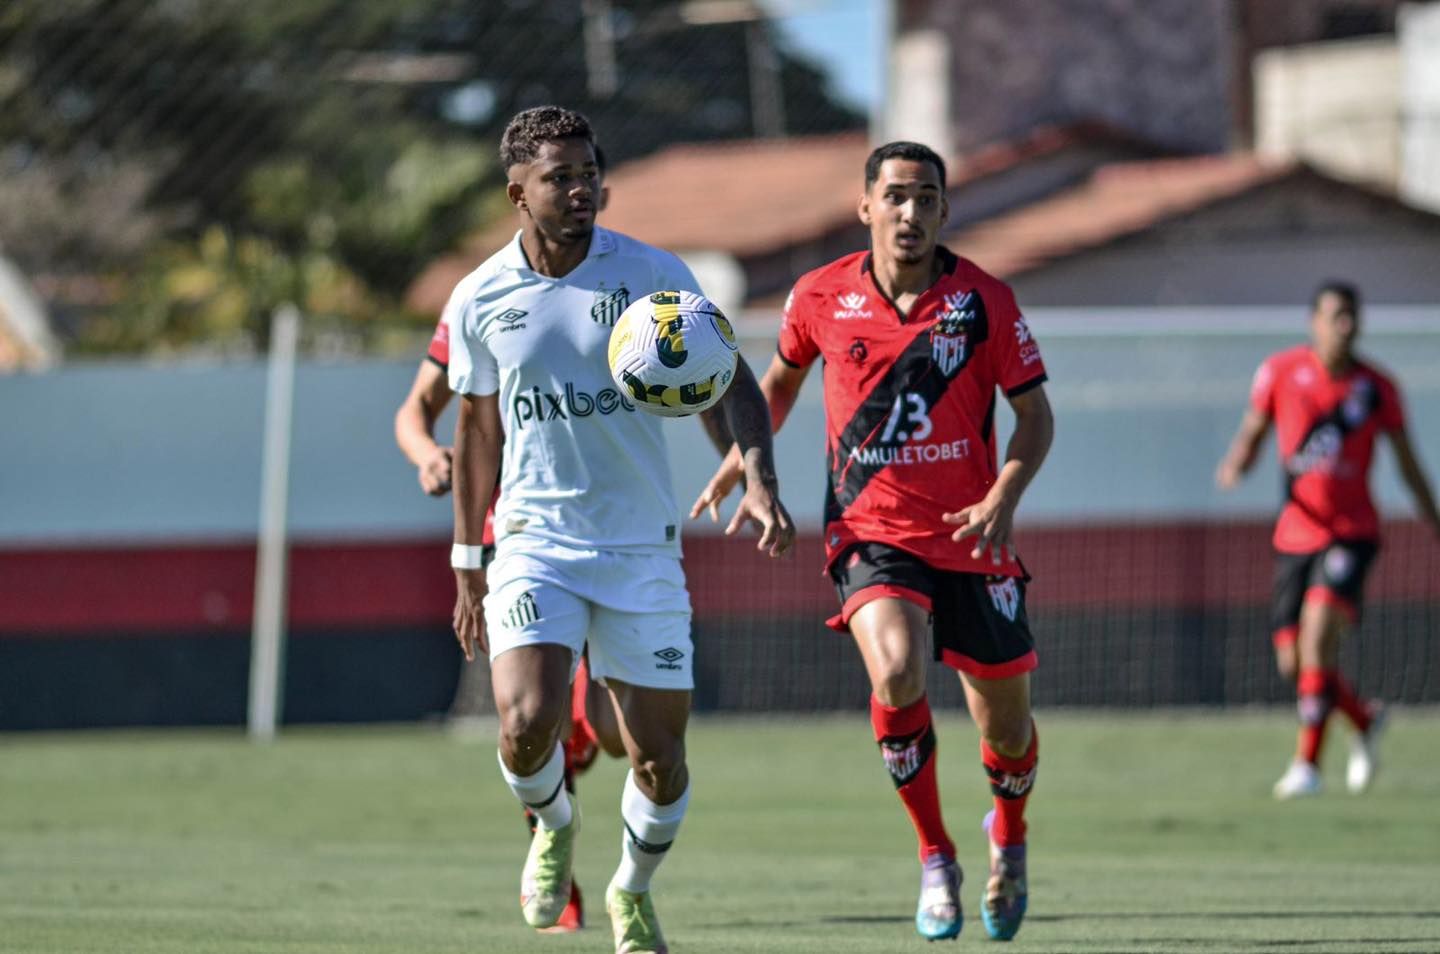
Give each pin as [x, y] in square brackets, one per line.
[533, 127]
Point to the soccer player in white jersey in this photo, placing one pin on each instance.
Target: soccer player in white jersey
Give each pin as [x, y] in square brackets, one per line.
[587, 527]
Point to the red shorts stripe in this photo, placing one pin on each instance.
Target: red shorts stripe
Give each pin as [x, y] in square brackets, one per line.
[979, 670]
[841, 622]
[1328, 597]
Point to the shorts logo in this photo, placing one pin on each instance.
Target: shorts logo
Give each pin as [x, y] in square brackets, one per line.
[522, 612]
[670, 658]
[609, 303]
[1339, 564]
[1006, 597]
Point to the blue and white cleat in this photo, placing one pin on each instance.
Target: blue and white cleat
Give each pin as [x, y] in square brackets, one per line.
[1006, 893]
[938, 916]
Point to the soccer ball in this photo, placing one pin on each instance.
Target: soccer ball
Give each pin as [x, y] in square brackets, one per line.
[673, 353]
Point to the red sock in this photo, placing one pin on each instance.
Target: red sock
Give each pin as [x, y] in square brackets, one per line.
[1315, 697]
[907, 742]
[1010, 782]
[1356, 709]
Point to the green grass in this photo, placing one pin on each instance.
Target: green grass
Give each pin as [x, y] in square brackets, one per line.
[1148, 833]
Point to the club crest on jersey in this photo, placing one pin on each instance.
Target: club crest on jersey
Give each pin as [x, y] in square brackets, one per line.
[950, 338]
[609, 304]
[1358, 403]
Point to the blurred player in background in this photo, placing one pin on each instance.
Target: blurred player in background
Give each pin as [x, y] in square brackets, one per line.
[586, 523]
[1328, 406]
[914, 343]
[593, 726]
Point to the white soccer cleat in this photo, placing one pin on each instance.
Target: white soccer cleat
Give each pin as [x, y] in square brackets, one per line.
[1364, 755]
[1300, 780]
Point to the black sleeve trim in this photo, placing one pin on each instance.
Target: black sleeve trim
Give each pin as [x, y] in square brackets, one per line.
[439, 364]
[781, 355]
[1030, 385]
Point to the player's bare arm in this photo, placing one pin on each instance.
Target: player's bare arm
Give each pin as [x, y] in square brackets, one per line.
[1244, 449]
[748, 417]
[478, 440]
[1415, 479]
[992, 520]
[780, 386]
[415, 428]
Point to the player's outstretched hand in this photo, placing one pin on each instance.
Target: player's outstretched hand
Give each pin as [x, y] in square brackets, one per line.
[761, 506]
[469, 616]
[990, 522]
[718, 489]
[1227, 475]
[435, 472]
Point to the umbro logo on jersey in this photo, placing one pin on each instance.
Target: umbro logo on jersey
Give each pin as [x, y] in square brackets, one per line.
[510, 319]
[609, 304]
[669, 658]
[522, 612]
[852, 307]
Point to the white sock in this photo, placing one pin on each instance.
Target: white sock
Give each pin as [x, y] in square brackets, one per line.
[544, 792]
[649, 830]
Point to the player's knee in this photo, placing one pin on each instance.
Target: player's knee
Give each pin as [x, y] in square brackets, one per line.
[528, 733]
[661, 774]
[1010, 737]
[900, 687]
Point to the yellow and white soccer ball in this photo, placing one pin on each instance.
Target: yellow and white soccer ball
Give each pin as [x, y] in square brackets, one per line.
[673, 353]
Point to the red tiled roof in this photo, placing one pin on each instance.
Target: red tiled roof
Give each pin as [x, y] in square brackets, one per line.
[1118, 200]
[740, 197]
[745, 198]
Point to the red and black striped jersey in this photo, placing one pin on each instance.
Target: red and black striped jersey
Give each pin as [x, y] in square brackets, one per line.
[909, 400]
[1325, 430]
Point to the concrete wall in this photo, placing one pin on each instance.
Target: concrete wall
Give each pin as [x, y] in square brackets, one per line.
[134, 452]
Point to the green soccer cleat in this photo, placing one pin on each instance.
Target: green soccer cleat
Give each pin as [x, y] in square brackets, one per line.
[938, 916]
[632, 916]
[545, 880]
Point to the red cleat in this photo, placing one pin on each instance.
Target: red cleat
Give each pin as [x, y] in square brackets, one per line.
[572, 918]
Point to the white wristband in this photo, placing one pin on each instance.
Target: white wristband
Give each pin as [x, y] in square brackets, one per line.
[465, 557]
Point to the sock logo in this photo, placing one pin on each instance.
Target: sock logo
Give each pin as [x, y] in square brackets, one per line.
[1313, 709]
[1010, 785]
[906, 755]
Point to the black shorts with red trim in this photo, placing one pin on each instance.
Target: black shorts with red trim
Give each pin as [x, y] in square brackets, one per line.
[978, 622]
[1335, 575]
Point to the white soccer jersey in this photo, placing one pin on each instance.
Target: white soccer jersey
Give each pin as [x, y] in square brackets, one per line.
[582, 466]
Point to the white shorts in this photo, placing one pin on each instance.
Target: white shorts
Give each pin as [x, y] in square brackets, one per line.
[632, 608]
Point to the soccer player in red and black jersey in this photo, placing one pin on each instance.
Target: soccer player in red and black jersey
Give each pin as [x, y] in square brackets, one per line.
[1328, 406]
[918, 517]
[593, 723]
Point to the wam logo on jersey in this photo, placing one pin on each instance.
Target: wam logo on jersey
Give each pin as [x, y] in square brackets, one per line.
[950, 339]
[609, 304]
[1005, 595]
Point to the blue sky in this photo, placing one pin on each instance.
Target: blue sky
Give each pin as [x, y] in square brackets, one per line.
[842, 36]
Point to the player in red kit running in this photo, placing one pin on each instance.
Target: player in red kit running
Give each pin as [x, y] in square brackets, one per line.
[918, 516]
[593, 724]
[1328, 406]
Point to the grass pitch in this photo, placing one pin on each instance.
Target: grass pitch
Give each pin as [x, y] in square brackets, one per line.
[1149, 832]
